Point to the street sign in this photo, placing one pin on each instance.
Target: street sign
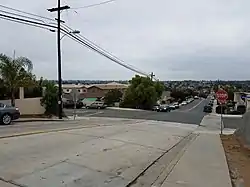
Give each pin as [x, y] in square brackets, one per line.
[75, 94]
[221, 96]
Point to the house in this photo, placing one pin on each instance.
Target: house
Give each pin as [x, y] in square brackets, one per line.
[91, 91]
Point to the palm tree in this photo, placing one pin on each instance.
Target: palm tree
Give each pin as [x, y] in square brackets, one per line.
[15, 73]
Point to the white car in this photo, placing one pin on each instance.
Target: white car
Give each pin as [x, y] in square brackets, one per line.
[184, 103]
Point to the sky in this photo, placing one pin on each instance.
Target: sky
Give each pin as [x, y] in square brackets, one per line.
[180, 39]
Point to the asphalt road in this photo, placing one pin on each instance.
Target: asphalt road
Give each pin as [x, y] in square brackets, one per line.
[191, 113]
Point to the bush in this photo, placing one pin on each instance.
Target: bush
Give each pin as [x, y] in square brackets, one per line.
[49, 100]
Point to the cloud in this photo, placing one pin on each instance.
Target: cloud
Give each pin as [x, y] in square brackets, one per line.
[196, 39]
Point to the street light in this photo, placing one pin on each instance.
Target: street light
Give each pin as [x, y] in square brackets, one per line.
[71, 32]
[58, 9]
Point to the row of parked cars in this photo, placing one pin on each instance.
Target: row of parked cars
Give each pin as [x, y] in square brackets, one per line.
[173, 106]
[69, 104]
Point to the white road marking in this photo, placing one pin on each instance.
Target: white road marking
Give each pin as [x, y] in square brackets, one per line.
[93, 114]
[194, 106]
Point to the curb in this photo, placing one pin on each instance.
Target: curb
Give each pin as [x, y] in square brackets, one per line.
[227, 115]
[125, 109]
[45, 131]
[38, 120]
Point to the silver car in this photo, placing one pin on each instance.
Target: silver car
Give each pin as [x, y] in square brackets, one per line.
[8, 113]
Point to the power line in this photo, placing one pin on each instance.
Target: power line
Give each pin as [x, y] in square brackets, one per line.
[6, 12]
[84, 41]
[28, 21]
[28, 13]
[97, 46]
[93, 5]
[65, 26]
[29, 24]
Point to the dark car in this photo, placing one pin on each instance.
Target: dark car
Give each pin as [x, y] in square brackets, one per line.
[71, 104]
[155, 107]
[164, 108]
[207, 109]
[211, 103]
[8, 113]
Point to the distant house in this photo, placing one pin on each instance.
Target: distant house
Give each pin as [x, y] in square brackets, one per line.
[91, 91]
[166, 95]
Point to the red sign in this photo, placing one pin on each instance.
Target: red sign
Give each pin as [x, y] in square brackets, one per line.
[221, 96]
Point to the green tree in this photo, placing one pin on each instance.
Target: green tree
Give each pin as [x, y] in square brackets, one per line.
[141, 93]
[178, 95]
[159, 87]
[16, 73]
[113, 96]
[49, 100]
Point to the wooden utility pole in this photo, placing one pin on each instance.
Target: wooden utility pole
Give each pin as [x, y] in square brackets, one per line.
[58, 10]
[152, 75]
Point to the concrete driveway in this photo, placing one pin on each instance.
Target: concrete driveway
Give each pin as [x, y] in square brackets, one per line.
[112, 154]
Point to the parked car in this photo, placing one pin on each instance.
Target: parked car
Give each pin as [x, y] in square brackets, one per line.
[211, 103]
[207, 109]
[221, 108]
[97, 105]
[241, 109]
[71, 104]
[172, 107]
[155, 107]
[8, 113]
[164, 108]
[196, 97]
[184, 103]
[176, 104]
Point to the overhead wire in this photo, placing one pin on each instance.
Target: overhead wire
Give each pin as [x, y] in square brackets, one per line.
[93, 5]
[29, 21]
[28, 13]
[9, 19]
[97, 46]
[6, 12]
[82, 40]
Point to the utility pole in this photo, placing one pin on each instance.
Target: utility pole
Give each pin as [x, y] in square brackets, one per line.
[14, 55]
[152, 75]
[58, 10]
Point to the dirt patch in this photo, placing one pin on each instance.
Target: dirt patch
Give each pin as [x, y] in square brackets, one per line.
[238, 158]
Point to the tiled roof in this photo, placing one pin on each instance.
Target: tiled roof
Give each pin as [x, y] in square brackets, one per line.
[109, 86]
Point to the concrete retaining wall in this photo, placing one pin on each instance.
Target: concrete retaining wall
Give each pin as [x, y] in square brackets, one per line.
[27, 106]
[244, 128]
[30, 106]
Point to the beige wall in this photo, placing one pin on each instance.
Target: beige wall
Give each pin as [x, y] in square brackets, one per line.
[29, 106]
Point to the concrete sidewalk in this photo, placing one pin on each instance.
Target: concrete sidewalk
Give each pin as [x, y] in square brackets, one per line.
[203, 164]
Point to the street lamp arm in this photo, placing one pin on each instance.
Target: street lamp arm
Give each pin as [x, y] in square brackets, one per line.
[71, 32]
[64, 35]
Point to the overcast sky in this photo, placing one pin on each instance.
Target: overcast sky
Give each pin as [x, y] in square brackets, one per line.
[177, 39]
